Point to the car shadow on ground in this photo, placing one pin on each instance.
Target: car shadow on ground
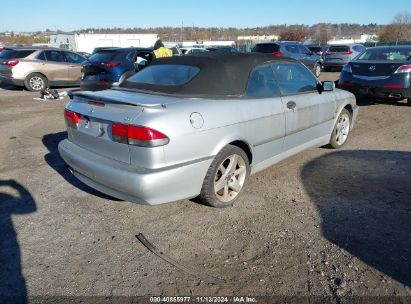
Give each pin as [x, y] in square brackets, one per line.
[53, 159]
[14, 199]
[364, 199]
[368, 101]
[10, 87]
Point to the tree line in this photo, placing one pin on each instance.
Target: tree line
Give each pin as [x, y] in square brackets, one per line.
[398, 30]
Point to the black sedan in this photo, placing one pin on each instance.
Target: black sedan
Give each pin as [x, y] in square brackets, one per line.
[380, 72]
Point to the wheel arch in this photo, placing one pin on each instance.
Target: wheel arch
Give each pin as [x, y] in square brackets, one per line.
[238, 142]
[34, 72]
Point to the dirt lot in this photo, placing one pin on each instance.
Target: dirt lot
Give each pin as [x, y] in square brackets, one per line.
[324, 223]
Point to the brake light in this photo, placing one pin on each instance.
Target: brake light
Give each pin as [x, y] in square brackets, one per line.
[278, 54]
[347, 53]
[394, 86]
[72, 118]
[403, 69]
[345, 83]
[11, 62]
[137, 135]
[111, 64]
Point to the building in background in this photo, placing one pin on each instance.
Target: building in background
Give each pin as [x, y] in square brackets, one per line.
[363, 38]
[257, 38]
[88, 42]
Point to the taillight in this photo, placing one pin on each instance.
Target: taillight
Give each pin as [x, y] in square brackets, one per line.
[111, 64]
[394, 86]
[11, 62]
[347, 53]
[278, 54]
[137, 135]
[72, 118]
[345, 83]
[403, 69]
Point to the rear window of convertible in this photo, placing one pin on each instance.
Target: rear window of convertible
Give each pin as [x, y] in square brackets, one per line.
[165, 75]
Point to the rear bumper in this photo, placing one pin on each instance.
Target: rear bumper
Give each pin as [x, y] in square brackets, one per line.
[97, 85]
[340, 63]
[12, 81]
[135, 184]
[377, 92]
[377, 86]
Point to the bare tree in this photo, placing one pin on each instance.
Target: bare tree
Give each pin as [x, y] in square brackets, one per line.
[323, 35]
[398, 30]
[294, 33]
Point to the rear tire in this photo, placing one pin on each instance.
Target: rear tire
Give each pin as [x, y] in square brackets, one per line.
[35, 82]
[317, 70]
[327, 69]
[226, 177]
[341, 131]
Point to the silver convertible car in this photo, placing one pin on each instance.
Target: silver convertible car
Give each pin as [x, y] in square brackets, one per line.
[199, 126]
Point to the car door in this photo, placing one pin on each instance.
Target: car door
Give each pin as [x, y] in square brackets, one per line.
[56, 68]
[293, 51]
[306, 57]
[309, 115]
[266, 128]
[74, 64]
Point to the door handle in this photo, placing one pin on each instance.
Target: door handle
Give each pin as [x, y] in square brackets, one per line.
[291, 105]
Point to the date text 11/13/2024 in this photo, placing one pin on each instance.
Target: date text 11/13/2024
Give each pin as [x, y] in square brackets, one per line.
[198, 299]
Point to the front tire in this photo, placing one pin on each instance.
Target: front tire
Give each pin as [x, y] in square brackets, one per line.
[35, 82]
[409, 101]
[226, 177]
[341, 130]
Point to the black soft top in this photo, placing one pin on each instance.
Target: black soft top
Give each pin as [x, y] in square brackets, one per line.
[220, 74]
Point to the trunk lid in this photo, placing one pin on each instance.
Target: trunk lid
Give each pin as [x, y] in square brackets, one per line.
[338, 53]
[100, 62]
[374, 68]
[100, 109]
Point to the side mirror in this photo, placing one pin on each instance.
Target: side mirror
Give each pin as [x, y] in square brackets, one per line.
[328, 86]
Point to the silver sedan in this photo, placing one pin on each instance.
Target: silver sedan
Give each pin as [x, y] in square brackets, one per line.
[200, 126]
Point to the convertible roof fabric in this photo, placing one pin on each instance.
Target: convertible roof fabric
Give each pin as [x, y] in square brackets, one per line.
[220, 74]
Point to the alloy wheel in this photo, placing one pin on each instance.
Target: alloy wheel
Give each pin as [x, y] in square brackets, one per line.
[229, 178]
[36, 83]
[342, 129]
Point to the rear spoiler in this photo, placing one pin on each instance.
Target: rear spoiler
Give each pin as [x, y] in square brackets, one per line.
[94, 97]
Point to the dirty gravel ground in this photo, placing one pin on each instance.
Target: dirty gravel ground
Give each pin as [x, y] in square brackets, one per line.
[324, 223]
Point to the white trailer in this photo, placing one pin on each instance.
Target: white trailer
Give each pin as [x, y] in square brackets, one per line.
[88, 42]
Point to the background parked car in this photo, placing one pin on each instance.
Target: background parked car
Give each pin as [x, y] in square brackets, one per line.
[222, 49]
[293, 50]
[339, 55]
[38, 68]
[108, 67]
[84, 54]
[318, 49]
[103, 48]
[193, 50]
[382, 72]
[174, 48]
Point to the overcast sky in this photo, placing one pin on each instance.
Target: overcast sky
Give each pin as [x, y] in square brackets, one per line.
[76, 14]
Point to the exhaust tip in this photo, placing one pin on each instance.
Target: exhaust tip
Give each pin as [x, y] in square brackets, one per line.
[395, 95]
